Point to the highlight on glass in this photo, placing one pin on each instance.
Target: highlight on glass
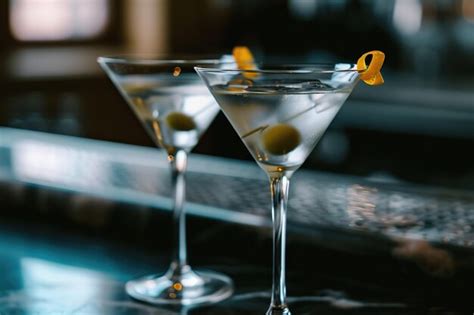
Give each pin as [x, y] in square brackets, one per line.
[280, 112]
[175, 108]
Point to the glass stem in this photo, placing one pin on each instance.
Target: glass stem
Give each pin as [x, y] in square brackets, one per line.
[279, 189]
[178, 163]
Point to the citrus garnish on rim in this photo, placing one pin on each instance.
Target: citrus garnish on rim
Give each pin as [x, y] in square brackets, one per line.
[370, 74]
[245, 61]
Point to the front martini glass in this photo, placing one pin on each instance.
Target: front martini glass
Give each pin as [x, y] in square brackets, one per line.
[175, 108]
[280, 113]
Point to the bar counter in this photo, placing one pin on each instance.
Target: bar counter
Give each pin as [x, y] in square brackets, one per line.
[80, 217]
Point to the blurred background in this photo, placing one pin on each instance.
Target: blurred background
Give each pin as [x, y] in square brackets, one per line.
[93, 213]
[418, 127]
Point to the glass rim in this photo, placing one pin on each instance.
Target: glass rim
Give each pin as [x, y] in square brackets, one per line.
[311, 68]
[150, 59]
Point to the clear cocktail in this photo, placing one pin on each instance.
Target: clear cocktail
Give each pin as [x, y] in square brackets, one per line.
[175, 108]
[280, 113]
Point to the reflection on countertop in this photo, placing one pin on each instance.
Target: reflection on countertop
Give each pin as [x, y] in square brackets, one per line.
[51, 271]
[81, 217]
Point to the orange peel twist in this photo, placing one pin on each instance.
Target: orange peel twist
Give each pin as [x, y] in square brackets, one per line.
[245, 61]
[371, 74]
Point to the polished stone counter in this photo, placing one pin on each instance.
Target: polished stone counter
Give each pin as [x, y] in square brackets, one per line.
[79, 218]
[53, 270]
[50, 270]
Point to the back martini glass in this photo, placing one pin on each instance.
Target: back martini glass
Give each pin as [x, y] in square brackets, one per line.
[280, 113]
[175, 108]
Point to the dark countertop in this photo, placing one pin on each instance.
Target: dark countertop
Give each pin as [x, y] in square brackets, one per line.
[49, 270]
[74, 231]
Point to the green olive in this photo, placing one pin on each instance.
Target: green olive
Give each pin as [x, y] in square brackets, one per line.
[137, 88]
[280, 139]
[180, 122]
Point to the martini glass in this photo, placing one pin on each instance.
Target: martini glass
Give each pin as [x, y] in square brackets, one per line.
[175, 108]
[280, 113]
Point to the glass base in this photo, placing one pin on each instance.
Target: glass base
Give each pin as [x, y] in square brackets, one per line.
[181, 286]
[325, 302]
[278, 311]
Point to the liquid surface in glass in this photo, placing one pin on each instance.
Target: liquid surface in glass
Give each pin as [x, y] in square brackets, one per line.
[174, 112]
[280, 123]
